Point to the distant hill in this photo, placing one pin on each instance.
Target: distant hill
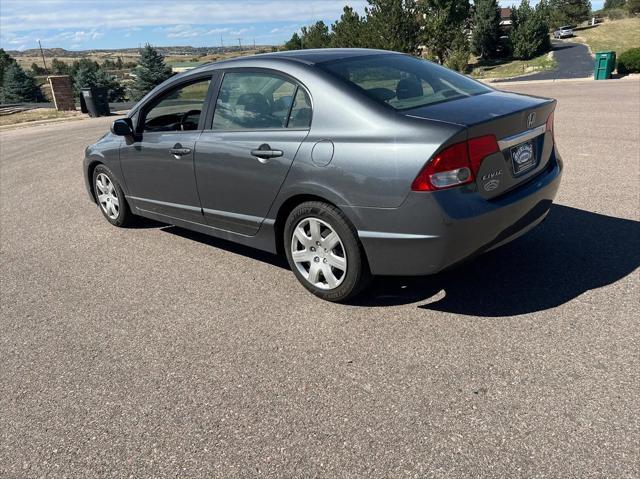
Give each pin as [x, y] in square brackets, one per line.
[195, 51]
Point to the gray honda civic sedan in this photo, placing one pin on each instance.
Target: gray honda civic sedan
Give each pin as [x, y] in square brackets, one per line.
[351, 162]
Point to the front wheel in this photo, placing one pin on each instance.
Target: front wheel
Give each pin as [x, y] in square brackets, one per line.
[110, 197]
[324, 253]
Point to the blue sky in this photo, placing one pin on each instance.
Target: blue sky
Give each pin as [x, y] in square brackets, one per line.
[91, 24]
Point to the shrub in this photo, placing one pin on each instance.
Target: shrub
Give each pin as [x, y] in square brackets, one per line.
[458, 57]
[633, 6]
[616, 14]
[629, 62]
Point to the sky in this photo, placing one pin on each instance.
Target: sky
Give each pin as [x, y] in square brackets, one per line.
[91, 24]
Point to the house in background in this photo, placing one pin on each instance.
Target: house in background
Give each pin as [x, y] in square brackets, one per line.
[505, 19]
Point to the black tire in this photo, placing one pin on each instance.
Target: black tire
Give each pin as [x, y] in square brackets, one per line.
[357, 276]
[124, 216]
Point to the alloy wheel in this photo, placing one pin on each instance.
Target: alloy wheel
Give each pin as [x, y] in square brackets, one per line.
[107, 196]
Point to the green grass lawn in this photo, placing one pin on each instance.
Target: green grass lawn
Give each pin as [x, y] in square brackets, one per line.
[511, 68]
[616, 35]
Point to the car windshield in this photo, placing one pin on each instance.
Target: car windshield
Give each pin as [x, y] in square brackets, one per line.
[402, 81]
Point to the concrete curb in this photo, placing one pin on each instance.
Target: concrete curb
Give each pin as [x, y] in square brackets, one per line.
[27, 124]
[561, 80]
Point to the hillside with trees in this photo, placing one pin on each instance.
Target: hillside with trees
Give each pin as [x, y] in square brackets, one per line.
[445, 31]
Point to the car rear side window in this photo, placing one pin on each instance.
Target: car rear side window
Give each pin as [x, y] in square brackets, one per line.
[254, 100]
[300, 116]
[402, 81]
[178, 110]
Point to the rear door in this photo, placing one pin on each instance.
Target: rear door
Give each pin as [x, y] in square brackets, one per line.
[260, 119]
[158, 166]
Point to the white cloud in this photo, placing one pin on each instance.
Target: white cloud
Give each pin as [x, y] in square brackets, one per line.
[22, 16]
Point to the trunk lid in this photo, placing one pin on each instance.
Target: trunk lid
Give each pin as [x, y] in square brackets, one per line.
[518, 123]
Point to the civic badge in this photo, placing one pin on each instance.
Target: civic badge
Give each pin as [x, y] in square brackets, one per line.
[531, 120]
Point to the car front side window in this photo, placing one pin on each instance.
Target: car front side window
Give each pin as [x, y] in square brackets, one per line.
[178, 110]
[254, 100]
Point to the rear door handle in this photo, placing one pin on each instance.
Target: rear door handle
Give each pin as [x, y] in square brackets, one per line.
[177, 152]
[265, 152]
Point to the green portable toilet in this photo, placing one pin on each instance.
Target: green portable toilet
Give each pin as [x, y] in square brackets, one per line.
[605, 64]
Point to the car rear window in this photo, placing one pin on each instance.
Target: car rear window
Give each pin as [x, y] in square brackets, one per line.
[403, 81]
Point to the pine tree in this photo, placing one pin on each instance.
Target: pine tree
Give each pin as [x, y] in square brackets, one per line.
[87, 74]
[444, 21]
[294, 43]
[393, 25]
[315, 36]
[349, 30]
[59, 67]
[530, 32]
[486, 30]
[150, 72]
[569, 12]
[18, 86]
[5, 61]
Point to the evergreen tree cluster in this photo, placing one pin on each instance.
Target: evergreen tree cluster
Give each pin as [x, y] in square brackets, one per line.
[530, 30]
[568, 12]
[447, 31]
[18, 86]
[438, 26]
[86, 73]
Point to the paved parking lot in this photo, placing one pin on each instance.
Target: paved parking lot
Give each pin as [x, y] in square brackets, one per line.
[155, 352]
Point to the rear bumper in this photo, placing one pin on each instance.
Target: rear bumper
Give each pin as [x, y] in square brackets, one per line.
[433, 231]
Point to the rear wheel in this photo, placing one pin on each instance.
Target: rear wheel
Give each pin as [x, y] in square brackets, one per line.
[324, 253]
[110, 197]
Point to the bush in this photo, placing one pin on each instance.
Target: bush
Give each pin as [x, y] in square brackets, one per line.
[616, 14]
[629, 62]
[633, 6]
[458, 56]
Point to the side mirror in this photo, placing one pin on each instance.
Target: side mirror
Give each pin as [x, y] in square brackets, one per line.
[122, 127]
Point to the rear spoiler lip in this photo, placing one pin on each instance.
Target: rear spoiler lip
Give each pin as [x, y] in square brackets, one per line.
[542, 103]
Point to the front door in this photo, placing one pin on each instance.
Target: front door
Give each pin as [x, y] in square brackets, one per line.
[158, 167]
[259, 122]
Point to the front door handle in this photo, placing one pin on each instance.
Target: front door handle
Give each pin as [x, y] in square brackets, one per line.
[264, 152]
[177, 151]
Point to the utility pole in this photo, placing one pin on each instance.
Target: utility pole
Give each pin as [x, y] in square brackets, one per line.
[43, 60]
[254, 43]
[221, 42]
[240, 43]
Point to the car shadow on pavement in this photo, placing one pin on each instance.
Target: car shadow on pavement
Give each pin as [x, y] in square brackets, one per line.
[230, 246]
[573, 251]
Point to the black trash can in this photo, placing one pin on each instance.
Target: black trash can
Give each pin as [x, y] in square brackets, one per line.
[95, 101]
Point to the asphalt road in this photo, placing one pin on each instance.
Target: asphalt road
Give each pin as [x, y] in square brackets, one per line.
[574, 61]
[155, 352]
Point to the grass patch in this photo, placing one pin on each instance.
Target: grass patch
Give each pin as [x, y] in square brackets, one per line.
[35, 115]
[511, 68]
[616, 35]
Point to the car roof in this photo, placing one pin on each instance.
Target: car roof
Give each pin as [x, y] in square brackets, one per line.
[309, 57]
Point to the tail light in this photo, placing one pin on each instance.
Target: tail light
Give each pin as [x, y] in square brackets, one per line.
[455, 165]
[550, 124]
